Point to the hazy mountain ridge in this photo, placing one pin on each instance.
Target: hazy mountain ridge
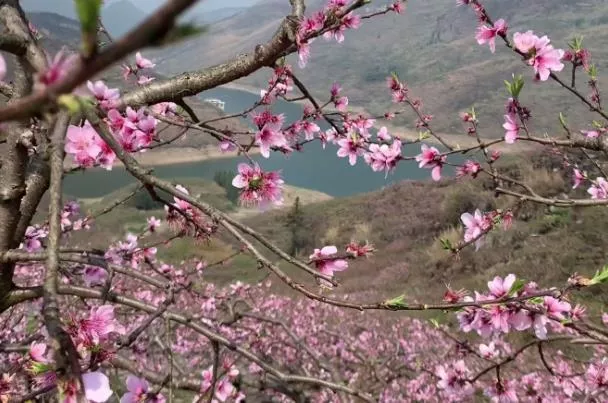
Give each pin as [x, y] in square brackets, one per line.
[431, 46]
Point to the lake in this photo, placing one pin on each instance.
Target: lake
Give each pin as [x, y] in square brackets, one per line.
[314, 168]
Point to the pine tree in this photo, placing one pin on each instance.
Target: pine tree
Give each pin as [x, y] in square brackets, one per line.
[295, 224]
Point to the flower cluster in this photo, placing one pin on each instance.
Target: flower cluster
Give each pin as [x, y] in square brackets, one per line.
[496, 318]
[258, 187]
[539, 53]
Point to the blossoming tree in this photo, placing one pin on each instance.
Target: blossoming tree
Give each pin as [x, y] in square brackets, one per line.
[100, 325]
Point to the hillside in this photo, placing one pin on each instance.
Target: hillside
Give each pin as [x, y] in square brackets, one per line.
[405, 221]
[431, 46]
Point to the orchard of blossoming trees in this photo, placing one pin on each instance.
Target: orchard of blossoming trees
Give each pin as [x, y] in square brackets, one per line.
[119, 324]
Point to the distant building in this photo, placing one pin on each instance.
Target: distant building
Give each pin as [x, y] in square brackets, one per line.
[217, 102]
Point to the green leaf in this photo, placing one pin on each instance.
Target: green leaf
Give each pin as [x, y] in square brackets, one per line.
[601, 276]
[446, 244]
[434, 322]
[179, 33]
[517, 285]
[397, 302]
[576, 43]
[508, 86]
[424, 135]
[592, 71]
[31, 325]
[562, 121]
[88, 13]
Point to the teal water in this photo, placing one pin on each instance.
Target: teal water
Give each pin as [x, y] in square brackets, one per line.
[314, 168]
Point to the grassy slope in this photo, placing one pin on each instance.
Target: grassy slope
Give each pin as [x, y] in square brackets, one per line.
[406, 220]
[432, 47]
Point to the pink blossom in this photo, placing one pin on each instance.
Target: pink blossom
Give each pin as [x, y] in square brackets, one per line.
[605, 318]
[597, 375]
[227, 146]
[2, 68]
[104, 95]
[502, 392]
[325, 263]
[511, 128]
[101, 323]
[383, 134]
[143, 80]
[268, 136]
[341, 103]
[106, 157]
[224, 390]
[475, 225]
[126, 71]
[142, 62]
[555, 308]
[81, 144]
[207, 379]
[525, 42]
[469, 167]
[578, 177]
[303, 53]
[33, 235]
[453, 378]
[58, 68]
[358, 250]
[138, 392]
[328, 136]
[384, 157]
[431, 158]
[33, 30]
[153, 223]
[363, 124]
[93, 276]
[37, 352]
[498, 287]
[309, 128]
[258, 187]
[165, 108]
[486, 34]
[599, 189]
[592, 134]
[489, 351]
[546, 60]
[397, 7]
[96, 387]
[539, 53]
[350, 147]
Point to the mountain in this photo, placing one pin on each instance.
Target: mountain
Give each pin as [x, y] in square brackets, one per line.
[120, 17]
[432, 47]
[64, 8]
[212, 16]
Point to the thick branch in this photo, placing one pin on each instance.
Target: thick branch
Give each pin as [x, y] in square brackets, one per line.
[192, 83]
[66, 356]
